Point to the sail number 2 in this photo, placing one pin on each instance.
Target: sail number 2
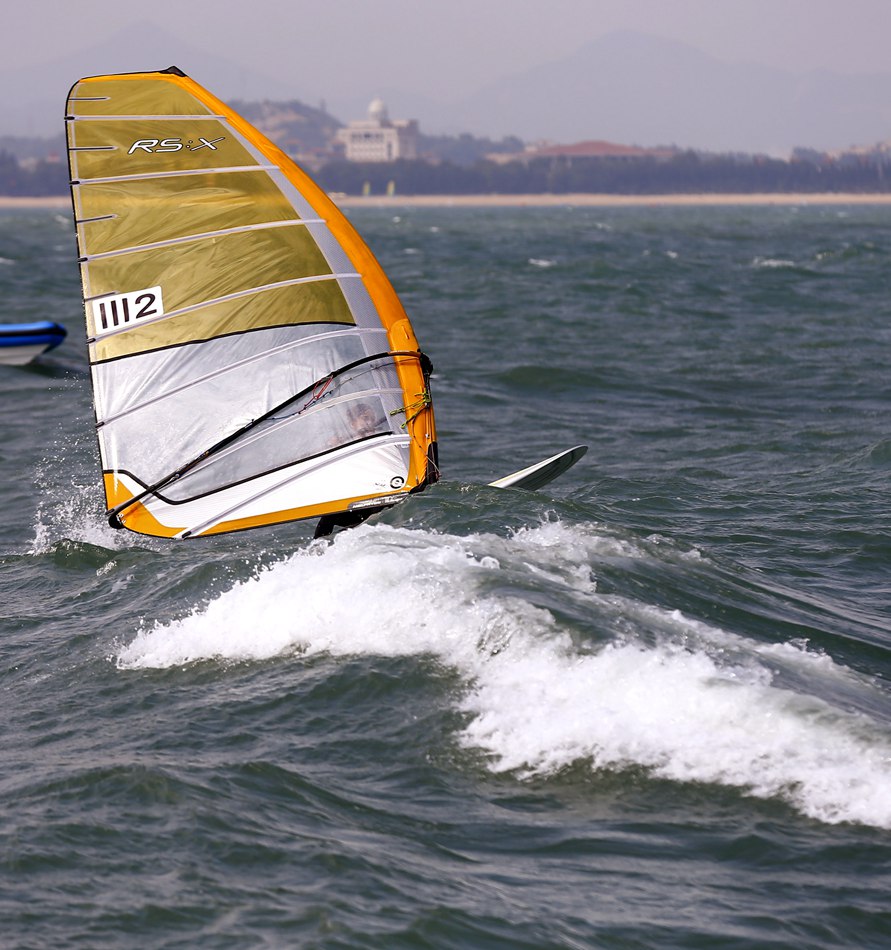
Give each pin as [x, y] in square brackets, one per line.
[118, 311]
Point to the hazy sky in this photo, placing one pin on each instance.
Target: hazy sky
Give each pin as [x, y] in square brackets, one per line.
[451, 48]
[430, 58]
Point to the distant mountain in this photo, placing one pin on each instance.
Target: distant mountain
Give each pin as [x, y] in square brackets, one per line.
[635, 88]
[292, 125]
[38, 107]
[623, 87]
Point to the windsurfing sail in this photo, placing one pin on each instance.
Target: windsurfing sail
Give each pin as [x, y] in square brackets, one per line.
[251, 362]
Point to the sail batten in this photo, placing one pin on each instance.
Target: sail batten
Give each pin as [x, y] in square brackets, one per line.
[218, 170]
[122, 118]
[251, 363]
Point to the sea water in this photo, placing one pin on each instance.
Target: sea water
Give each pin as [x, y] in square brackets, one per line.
[647, 706]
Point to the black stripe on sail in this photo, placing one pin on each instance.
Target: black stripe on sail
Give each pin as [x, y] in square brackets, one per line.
[101, 217]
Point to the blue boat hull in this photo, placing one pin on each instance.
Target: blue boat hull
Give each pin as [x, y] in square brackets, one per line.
[21, 342]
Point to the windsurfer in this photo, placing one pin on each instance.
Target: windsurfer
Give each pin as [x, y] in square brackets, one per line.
[363, 422]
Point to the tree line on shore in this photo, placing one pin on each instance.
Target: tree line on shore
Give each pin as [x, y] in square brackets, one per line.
[683, 173]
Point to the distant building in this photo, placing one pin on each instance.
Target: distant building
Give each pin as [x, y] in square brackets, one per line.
[379, 138]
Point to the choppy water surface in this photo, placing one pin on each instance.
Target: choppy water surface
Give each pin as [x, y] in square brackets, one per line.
[645, 707]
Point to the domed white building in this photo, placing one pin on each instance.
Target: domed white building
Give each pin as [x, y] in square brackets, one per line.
[377, 111]
[380, 138]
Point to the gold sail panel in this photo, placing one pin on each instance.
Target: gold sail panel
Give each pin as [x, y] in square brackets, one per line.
[214, 267]
[136, 94]
[123, 214]
[316, 302]
[113, 147]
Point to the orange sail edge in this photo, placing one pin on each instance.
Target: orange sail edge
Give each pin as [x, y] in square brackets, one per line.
[419, 421]
[138, 519]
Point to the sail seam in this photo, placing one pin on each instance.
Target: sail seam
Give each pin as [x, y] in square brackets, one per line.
[170, 242]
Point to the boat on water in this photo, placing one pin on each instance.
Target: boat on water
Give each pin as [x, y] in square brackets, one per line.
[20, 343]
[251, 363]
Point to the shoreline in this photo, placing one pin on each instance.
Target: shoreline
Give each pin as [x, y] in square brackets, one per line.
[548, 200]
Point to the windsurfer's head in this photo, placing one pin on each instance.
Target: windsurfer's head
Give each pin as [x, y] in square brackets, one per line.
[363, 419]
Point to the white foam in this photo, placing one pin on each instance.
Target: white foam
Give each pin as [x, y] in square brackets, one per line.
[70, 502]
[772, 262]
[675, 696]
[75, 514]
[686, 717]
